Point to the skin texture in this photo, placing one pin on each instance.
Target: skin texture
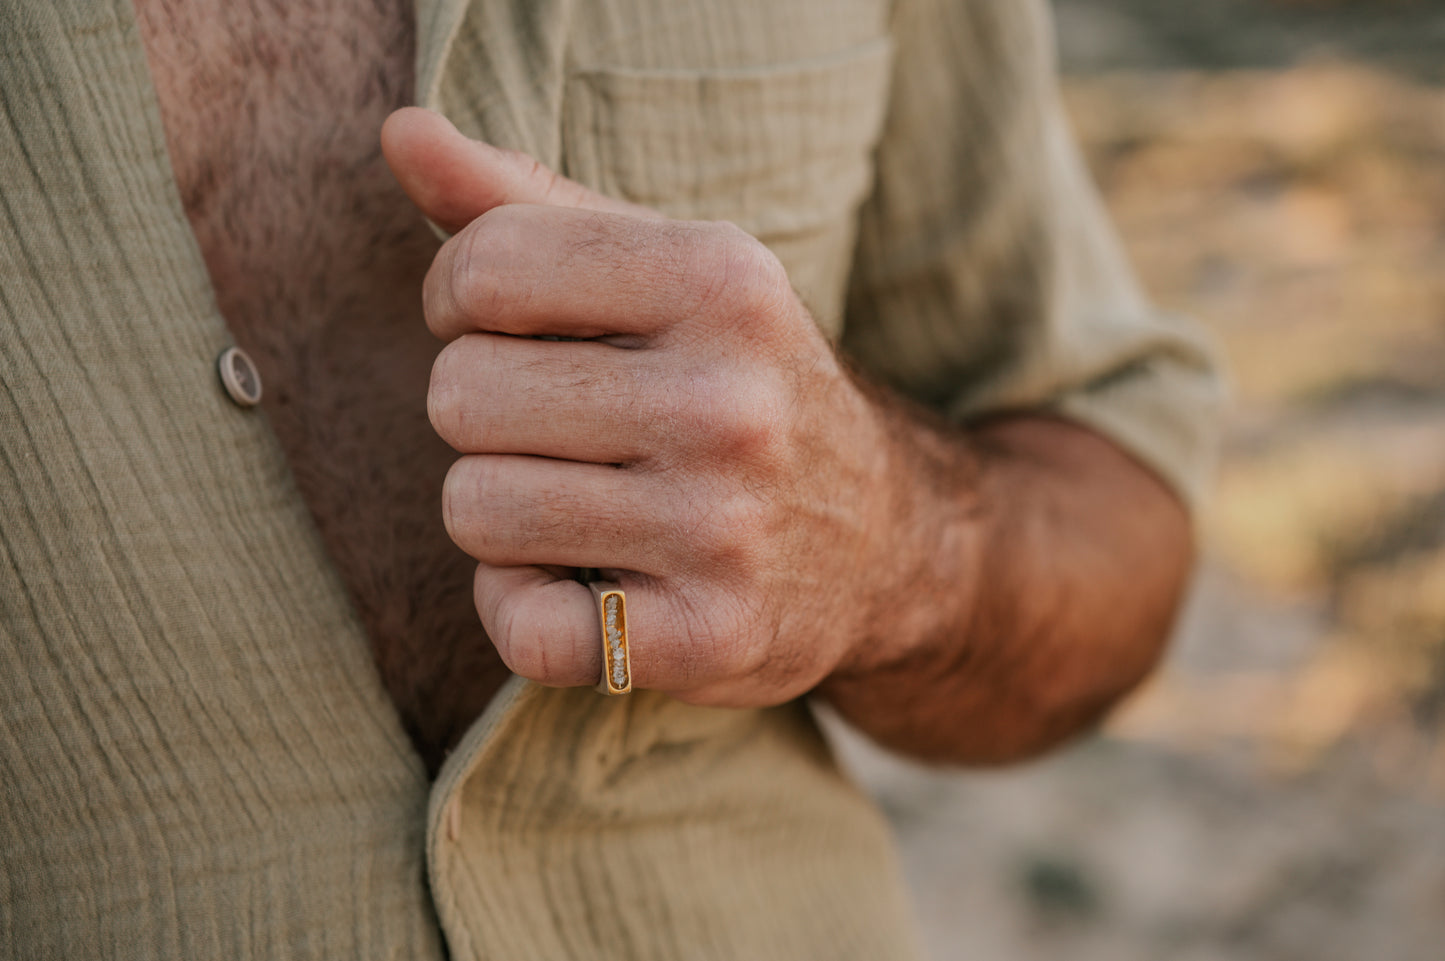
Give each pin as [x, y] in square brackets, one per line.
[779, 524]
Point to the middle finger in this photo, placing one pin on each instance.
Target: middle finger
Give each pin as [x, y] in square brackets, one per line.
[571, 400]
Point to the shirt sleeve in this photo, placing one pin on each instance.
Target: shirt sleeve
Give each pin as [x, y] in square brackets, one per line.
[987, 277]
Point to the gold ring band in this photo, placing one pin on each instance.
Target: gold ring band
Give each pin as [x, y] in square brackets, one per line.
[616, 661]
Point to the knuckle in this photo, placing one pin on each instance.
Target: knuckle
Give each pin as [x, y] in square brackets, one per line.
[733, 648]
[463, 492]
[505, 629]
[524, 656]
[729, 532]
[474, 283]
[757, 427]
[465, 282]
[495, 611]
[443, 406]
[735, 657]
[731, 270]
[755, 637]
[742, 417]
[431, 297]
[439, 304]
[706, 394]
[535, 647]
[519, 650]
[451, 398]
[681, 633]
[755, 278]
[717, 649]
[449, 514]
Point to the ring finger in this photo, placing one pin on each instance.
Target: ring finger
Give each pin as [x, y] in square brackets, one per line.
[548, 629]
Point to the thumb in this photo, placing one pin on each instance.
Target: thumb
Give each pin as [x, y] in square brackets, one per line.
[454, 179]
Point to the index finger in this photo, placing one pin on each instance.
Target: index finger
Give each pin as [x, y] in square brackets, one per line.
[564, 272]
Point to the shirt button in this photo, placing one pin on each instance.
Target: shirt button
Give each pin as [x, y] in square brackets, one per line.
[239, 376]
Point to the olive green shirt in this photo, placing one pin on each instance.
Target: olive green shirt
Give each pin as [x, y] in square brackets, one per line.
[197, 759]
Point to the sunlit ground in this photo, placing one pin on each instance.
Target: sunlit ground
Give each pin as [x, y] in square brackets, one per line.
[1301, 215]
[1278, 792]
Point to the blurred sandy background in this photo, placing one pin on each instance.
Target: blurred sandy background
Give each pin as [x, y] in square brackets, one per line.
[1277, 169]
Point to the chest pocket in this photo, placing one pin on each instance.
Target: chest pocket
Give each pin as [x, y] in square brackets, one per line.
[783, 151]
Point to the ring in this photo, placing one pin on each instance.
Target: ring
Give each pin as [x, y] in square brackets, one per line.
[616, 662]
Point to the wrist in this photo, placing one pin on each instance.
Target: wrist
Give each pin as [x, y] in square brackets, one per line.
[915, 591]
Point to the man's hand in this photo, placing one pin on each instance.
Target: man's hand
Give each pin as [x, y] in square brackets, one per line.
[776, 523]
[695, 437]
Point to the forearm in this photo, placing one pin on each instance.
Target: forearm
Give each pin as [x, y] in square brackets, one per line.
[1040, 569]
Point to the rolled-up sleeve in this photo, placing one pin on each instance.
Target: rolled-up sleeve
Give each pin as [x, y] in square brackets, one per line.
[987, 276]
